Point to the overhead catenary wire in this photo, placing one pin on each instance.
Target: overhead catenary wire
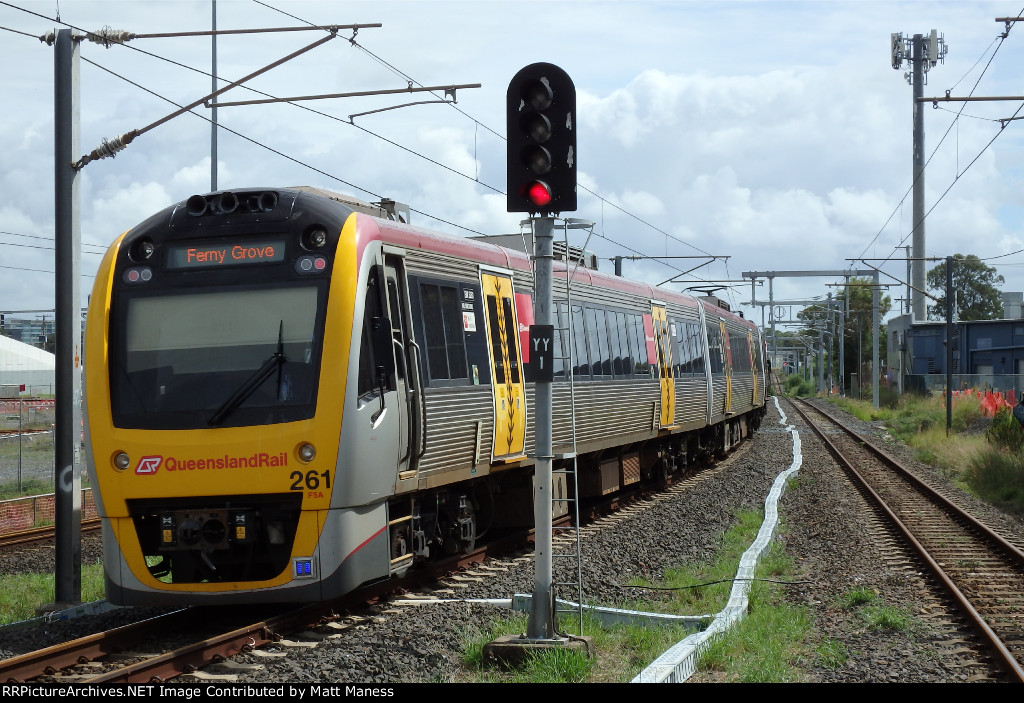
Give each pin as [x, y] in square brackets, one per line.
[112, 146]
[478, 123]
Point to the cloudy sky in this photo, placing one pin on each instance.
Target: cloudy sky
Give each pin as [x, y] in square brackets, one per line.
[776, 134]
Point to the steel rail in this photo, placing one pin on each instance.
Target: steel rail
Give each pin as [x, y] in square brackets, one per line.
[41, 534]
[46, 661]
[1013, 666]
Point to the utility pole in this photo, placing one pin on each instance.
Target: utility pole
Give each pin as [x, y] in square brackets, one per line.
[922, 54]
[907, 301]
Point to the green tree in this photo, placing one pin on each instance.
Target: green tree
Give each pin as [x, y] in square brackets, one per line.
[855, 298]
[977, 290]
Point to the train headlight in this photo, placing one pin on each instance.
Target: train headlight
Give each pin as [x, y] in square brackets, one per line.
[306, 452]
[142, 250]
[314, 238]
[121, 461]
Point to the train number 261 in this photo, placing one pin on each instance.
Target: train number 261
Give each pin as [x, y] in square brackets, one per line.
[309, 481]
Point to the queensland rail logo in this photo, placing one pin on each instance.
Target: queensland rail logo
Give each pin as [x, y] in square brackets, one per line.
[148, 464]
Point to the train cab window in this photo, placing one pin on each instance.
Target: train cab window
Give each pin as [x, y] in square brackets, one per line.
[442, 325]
[373, 307]
[223, 357]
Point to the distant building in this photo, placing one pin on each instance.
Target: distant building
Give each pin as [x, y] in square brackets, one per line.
[34, 332]
[987, 350]
[23, 365]
[1013, 306]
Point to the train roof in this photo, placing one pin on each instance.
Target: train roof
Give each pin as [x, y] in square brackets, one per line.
[392, 225]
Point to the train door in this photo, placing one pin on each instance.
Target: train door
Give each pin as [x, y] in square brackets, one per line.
[663, 343]
[407, 379]
[507, 383]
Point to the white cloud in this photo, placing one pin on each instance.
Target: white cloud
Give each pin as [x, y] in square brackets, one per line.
[775, 133]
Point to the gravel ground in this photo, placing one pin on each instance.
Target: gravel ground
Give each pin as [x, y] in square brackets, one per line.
[827, 532]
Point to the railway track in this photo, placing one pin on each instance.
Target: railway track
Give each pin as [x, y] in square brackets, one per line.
[40, 534]
[189, 641]
[983, 573]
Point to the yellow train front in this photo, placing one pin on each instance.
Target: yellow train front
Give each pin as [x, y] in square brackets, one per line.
[214, 385]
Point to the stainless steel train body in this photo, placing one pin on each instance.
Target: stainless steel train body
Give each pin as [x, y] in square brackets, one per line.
[290, 394]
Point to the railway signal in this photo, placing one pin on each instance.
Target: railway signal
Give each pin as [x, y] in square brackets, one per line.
[541, 131]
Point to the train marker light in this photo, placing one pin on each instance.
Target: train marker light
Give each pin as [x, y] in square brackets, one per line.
[307, 452]
[121, 461]
[541, 132]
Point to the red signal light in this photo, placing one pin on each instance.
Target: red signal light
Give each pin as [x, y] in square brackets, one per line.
[539, 193]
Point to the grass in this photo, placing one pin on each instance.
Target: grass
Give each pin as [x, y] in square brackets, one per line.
[886, 617]
[831, 654]
[29, 487]
[858, 595]
[763, 647]
[685, 584]
[984, 464]
[23, 593]
[768, 645]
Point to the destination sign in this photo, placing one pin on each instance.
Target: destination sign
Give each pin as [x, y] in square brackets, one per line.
[207, 255]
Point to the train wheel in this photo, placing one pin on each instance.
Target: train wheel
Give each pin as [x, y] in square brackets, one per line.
[399, 544]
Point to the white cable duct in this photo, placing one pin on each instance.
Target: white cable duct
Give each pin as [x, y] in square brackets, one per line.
[680, 661]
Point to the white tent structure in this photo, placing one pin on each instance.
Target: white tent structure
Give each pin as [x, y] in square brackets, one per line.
[24, 365]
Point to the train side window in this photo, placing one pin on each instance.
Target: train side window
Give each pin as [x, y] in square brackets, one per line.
[642, 366]
[740, 353]
[613, 344]
[698, 348]
[714, 349]
[561, 328]
[624, 359]
[442, 325]
[580, 355]
[684, 364]
[597, 328]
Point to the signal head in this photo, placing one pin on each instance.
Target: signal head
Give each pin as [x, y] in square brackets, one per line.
[540, 107]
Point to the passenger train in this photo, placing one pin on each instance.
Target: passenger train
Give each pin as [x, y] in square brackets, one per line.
[290, 393]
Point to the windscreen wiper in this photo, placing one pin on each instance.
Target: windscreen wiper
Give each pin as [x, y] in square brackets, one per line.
[274, 363]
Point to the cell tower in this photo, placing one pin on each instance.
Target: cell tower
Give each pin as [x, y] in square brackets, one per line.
[922, 54]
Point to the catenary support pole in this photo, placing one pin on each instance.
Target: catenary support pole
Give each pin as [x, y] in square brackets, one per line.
[68, 416]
